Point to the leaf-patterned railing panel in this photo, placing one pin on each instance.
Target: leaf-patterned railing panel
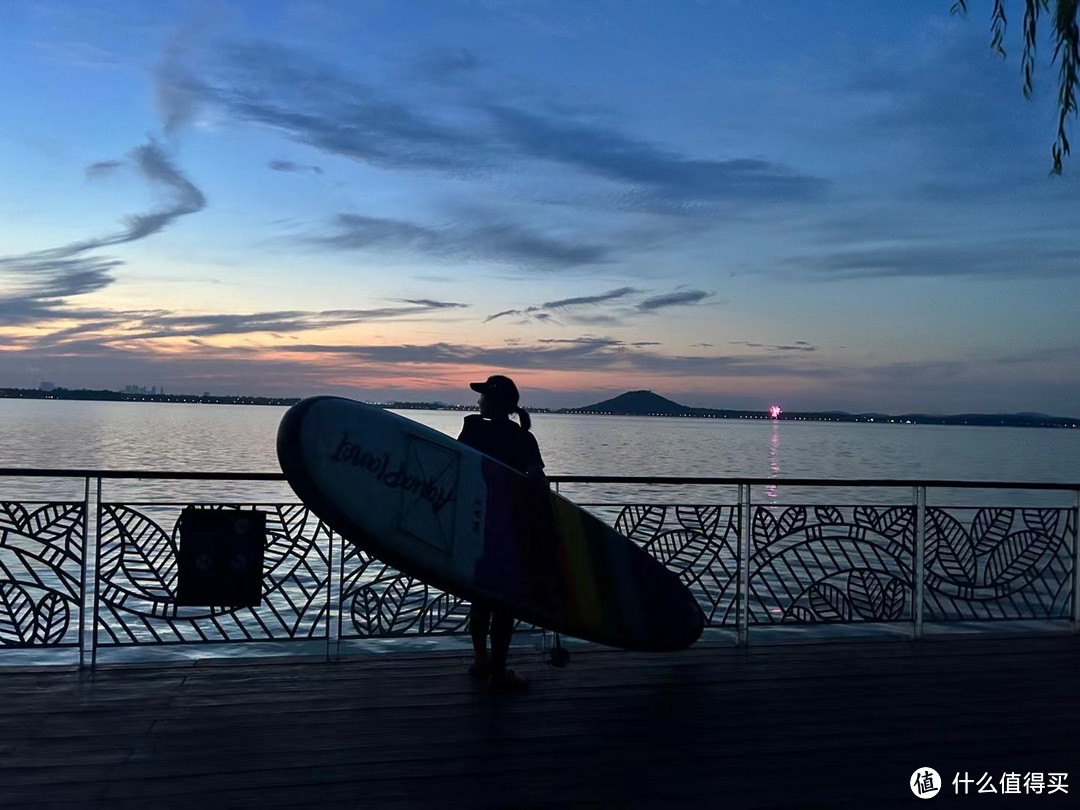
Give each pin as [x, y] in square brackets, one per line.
[41, 573]
[813, 564]
[378, 601]
[138, 573]
[1000, 563]
[697, 542]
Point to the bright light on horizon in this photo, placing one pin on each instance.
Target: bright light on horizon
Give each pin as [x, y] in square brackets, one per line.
[775, 411]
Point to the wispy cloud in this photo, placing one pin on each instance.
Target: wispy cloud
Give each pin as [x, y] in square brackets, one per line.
[620, 310]
[585, 300]
[608, 153]
[124, 327]
[675, 299]
[289, 166]
[575, 354]
[316, 103]
[102, 168]
[313, 103]
[40, 282]
[493, 241]
[991, 259]
[797, 346]
[566, 303]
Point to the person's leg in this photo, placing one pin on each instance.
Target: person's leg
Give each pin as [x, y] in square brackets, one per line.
[502, 628]
[479, 625]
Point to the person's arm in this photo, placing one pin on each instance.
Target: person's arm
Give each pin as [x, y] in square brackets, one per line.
[535, 473]
[534, 463]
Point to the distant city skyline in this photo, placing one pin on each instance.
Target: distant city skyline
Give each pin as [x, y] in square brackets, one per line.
[734, 204]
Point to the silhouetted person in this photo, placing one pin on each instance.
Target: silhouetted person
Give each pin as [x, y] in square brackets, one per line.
[493, 432]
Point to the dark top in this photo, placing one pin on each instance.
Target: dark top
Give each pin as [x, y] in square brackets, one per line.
[502, 439]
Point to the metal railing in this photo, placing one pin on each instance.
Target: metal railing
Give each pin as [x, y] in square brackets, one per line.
[85, 578]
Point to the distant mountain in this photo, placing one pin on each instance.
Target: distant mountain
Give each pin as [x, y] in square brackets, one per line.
[638, 403]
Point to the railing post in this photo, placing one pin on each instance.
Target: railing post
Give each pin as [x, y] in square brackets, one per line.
[742, 594]
[920, 560]
[337, 598]
[332, 589]
[85, 604]
[88, 610]
[1076, 561]
[96, 580]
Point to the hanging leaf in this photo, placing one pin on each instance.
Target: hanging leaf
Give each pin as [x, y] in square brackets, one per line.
[640, 523]
[13, 516]
[148, 557]
[763, 527]
[685, 553]
[16, 614]
[401, 605]
[56, 522]
[445, 614]
[866, 593]
[678, 549]
[867, 517]
[828, 514]
[898, 521]
[1015, 556]
[700, 519]
[52, 619]
[1042, 520]
[364, 610]
[294, 518]
[829, 603]
[791, 520]
[950, 543]
[286, 541]
[989, 528]
[893, 600]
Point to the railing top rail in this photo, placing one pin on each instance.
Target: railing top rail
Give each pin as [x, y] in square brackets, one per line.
[570, 479]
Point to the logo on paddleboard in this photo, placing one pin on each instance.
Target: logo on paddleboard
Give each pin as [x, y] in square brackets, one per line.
[427, 480]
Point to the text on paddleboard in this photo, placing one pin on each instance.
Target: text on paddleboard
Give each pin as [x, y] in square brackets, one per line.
[380, 466]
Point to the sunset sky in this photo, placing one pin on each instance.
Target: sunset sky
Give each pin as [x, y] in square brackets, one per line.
[820, 204]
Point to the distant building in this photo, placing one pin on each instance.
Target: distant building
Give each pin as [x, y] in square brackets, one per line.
[46, 386]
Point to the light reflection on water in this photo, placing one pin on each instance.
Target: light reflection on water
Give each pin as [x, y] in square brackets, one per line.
[235, 438]
[771, 490]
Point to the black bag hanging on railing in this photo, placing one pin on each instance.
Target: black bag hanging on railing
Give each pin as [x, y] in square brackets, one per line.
[220, 559]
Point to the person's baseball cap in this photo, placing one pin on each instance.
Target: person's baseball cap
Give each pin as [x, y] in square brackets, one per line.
[497, 387]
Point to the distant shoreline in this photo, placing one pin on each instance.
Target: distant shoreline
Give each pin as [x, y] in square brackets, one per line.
[970, 420]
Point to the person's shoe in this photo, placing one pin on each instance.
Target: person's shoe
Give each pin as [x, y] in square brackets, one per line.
[481, 667]
[506, 680]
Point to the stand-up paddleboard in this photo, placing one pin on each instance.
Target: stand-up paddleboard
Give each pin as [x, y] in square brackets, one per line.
[445, 513]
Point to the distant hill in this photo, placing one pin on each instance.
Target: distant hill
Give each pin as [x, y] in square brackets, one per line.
[648, 403]
[638, 403]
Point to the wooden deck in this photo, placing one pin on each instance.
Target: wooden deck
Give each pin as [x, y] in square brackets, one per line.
[813, 725]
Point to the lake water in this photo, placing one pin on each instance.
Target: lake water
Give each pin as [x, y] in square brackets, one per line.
[238, 438]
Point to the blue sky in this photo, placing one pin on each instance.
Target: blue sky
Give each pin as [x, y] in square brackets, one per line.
[825, 205]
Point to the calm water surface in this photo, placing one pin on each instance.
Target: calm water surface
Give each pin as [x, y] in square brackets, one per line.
[237, 438]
